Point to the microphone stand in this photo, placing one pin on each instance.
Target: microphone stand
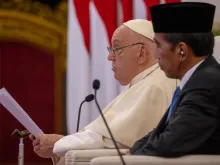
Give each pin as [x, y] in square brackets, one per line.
[88, 98]
[21, 152]
[80, 107]
[109, 129]
[21, 135]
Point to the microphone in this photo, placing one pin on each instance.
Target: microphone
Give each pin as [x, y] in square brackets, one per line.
[96, 86]
[87, 99]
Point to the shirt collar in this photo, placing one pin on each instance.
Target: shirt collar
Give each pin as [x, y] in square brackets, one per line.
[143, 74]
[188, 74]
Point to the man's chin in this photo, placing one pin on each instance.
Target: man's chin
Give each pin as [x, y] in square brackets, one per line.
[121, 82]
[171, 76]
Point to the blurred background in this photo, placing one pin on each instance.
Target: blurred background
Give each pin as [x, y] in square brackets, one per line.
[50, 53]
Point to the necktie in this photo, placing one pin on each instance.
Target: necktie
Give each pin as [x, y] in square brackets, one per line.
[175, 98]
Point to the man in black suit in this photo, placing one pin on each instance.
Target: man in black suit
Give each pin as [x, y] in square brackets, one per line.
[184, 50]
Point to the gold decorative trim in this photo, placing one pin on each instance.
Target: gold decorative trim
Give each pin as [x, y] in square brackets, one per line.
[22, 27]
[56, 16]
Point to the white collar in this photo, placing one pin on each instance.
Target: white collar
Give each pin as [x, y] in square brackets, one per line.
[188, 74]
[143, 74]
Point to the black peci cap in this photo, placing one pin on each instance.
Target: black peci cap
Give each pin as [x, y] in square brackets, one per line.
[185, 17]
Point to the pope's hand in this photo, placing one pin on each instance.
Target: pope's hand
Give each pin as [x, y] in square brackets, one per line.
[43, 144]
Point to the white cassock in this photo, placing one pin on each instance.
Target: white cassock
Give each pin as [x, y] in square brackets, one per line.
[131, 115]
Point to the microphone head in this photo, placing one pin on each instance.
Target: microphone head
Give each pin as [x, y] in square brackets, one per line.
[96, 84]
[89, 98]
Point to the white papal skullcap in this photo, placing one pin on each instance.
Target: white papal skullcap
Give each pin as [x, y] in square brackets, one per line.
[142, 27]
[216, 53]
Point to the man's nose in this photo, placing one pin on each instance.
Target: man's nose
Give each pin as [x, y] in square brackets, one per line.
[111, 56]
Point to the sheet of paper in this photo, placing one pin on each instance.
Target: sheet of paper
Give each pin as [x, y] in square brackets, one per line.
[16, 110]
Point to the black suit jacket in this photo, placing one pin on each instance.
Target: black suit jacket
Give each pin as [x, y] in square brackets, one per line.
[194, 125]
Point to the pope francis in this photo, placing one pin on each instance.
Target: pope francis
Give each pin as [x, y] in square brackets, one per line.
[136, 111]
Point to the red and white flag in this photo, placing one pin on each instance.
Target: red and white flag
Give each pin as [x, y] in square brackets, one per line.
[78, 62]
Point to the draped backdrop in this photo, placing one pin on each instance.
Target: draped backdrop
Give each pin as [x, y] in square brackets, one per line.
[216, 53]
[91, 24]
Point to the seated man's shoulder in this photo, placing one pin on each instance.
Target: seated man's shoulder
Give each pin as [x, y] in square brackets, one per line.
[162, 84]
[209, 74]
[162, 81]
[159, 78]
[157, 82]
[206, 79]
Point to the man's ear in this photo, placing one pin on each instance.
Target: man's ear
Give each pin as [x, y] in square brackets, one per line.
[142, 56]
[182, 50]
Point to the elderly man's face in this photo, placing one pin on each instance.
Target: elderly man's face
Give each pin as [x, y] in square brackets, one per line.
[168, 58]
[123, 56]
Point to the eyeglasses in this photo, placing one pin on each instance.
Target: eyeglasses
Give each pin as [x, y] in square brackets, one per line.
[114, 50]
